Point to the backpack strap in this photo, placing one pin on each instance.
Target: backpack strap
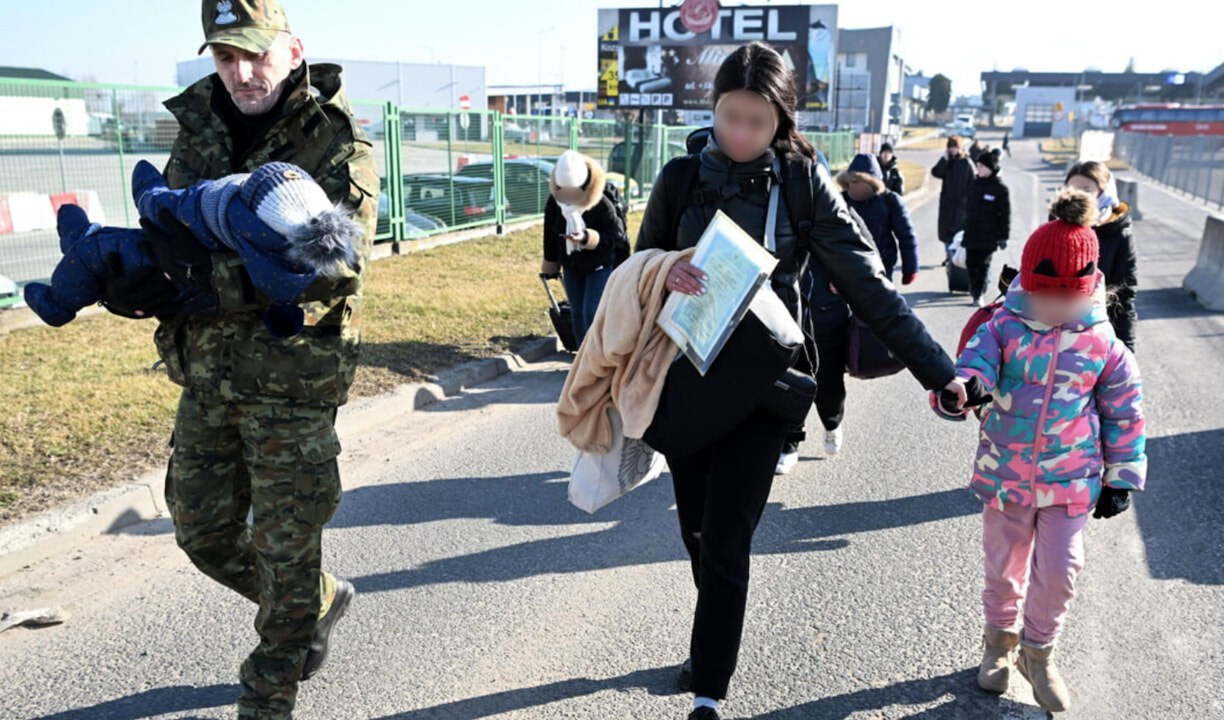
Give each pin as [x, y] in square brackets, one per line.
[685, 171]
[800, 190]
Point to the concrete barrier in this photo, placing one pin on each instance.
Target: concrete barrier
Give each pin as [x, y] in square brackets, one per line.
[27, 211]
[1206, 281]
[1128, 192]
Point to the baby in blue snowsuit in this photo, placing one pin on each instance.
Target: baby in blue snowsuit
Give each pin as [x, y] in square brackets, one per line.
[277, 219]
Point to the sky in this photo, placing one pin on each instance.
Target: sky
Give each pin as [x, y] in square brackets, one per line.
[139, 41]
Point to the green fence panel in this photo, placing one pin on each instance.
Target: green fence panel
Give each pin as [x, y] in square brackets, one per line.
[106, 130]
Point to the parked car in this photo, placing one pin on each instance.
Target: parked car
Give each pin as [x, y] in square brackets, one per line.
[436, 202]
[454, 200]
[956, 128]
[416, 225]
[644, 166]
[526, 183]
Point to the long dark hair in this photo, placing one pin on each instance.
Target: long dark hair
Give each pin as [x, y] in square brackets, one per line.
[758, 68]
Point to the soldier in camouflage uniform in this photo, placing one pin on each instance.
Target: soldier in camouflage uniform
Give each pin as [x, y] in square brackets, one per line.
[255, 428]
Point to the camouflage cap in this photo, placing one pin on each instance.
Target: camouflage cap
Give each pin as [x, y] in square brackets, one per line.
[251, 25]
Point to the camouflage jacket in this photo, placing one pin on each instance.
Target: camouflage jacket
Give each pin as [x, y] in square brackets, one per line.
[230, 356]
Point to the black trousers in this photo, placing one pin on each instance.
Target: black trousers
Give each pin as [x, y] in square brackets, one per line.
[830, 385]
[977, 262]
[721, 492]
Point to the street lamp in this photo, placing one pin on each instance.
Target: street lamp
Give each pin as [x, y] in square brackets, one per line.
[540, 67]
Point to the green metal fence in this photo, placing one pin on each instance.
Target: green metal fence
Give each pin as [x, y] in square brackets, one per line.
[441, 171]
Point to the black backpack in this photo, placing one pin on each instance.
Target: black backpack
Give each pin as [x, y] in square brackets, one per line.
[620, 207]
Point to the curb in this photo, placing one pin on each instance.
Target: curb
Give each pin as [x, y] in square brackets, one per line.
[60, 530]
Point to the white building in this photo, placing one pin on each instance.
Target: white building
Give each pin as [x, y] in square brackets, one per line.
[1044, 111]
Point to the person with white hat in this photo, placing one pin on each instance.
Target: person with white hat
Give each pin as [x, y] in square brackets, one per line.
[585, 235]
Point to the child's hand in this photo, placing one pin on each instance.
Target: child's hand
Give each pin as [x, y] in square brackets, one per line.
[1113, 501]
[954, 401]
[976, 395]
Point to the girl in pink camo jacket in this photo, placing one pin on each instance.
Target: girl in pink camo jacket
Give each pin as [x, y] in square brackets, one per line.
[1063, 435]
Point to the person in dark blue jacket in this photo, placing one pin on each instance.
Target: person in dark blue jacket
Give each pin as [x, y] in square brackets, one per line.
[885, 214]
[278, 220]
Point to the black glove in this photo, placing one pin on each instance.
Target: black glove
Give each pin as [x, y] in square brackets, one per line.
[178, 253]
[975, 394]
[1112, 502]
[142, 293]
[551, 276]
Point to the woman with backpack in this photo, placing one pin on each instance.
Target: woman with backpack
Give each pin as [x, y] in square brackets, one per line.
[584, 235]
[756, 154]
[987, 224]
[828, 317]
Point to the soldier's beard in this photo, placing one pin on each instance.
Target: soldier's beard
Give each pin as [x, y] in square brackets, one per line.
[254, 104]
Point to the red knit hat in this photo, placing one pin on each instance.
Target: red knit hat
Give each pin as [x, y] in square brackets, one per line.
[1062, 255]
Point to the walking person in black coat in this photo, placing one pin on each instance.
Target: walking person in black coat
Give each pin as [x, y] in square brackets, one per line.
[584, 235]
[721, 489]
[1113, 231]
[893, 179]
[987, 224]
[957, 173]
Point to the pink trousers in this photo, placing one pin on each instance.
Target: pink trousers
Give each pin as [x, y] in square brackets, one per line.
[1031, 556]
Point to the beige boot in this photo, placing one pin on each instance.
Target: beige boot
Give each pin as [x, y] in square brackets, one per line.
[997, 659]
[1036, 664]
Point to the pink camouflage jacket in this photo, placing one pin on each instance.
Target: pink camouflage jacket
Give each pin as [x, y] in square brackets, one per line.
[1067, 409]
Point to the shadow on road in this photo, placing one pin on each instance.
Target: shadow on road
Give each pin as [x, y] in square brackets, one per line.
[1168, 303]
[633, 539]
[656, 681]
[1181, 514]
[957, 695]
[155, 702]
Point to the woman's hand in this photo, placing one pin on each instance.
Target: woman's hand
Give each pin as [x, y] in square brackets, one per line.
[686, 279]
[957, 388]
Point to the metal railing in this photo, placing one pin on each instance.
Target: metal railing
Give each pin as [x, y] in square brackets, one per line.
[454, 170]
[1192, 164]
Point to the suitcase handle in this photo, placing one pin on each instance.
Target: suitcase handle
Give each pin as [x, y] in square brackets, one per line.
[548, 289]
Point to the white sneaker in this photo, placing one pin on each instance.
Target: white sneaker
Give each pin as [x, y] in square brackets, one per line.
[833, 441]
[786, 463]
[982, 301]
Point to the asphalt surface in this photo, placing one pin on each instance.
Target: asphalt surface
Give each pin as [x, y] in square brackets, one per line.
[484, 594]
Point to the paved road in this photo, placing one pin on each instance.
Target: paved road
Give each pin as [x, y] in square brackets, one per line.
[484, 594]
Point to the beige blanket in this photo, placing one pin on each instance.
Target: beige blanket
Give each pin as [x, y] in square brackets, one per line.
[625, 357]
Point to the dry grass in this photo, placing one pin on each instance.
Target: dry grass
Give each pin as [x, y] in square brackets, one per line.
[914, 173]
[82, 410]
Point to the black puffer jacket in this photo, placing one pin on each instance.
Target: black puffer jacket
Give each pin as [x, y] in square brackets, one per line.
[987, 214]
[607, 233]
[834, 241]
[893, 179]
[1118, 265]
[956, 175]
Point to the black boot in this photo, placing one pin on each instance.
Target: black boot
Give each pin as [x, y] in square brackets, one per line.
[684, 678]
[703, 713]
[322, 633]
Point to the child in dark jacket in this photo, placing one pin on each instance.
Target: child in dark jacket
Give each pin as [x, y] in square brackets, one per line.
[584, 236]
[277, 219]
[987, 224]
[885, 214]
[1113, 231]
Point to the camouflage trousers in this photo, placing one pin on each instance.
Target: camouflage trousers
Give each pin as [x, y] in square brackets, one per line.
[276, 464]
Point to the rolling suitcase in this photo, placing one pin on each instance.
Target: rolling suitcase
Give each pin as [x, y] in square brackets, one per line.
[958, 278]
[958, 275]
[562, 316]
